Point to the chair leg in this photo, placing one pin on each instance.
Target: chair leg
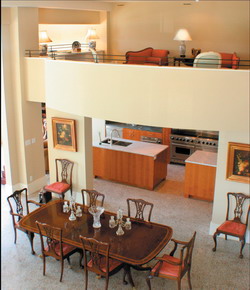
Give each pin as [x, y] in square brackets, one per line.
[62, 266]
[148, 281]
[215, 241]
[86, 278]
[68, 259]
[107, 282]
[225, 237]
[15, 235]
[124, 276]
[241, 248]
[179, 283]
[31, 238]
[44, 264]
[189, 280]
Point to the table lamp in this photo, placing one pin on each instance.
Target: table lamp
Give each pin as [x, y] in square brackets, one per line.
[90, 38]
[182, 35]
[43, 39]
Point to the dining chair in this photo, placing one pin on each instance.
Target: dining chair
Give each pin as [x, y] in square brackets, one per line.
[64, 169]
[15, 200]
[54, 247]
[99, 261]
[238, 225]
[174, 268]
[140, 206]
[93, 197]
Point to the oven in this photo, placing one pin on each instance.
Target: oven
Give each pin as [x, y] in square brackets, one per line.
[184, 143]
[180, 152]
[151, 139]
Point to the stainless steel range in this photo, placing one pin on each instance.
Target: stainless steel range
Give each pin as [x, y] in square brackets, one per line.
[184, 143]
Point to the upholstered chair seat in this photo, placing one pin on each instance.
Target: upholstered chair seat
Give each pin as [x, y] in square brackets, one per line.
[112, 264]
[232, 227]
[57, 187]
[167, 268]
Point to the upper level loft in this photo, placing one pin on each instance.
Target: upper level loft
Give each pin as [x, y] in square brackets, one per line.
[148, 56]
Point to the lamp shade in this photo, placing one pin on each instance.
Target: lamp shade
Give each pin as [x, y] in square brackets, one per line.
[43, 37]
[182, 35]
[91, 34]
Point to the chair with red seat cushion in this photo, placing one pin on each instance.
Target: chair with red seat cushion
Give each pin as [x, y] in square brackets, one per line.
[15, 200]
[54, 246]
[64, 169]
[238, 225]
[99, 260]
[173, 268]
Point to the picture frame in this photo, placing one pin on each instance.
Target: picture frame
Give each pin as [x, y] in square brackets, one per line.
[238, 162]
[64, 134]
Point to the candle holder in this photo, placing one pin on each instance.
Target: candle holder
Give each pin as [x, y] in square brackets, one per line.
[120, 223]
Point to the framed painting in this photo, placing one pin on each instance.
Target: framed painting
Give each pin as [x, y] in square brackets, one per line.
[64, 134]
[238, 162]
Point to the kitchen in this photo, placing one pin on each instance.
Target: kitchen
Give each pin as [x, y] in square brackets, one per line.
[185, 151]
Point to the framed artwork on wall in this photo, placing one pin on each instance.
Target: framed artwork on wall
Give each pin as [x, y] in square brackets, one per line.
[238, 162]
[64, 134]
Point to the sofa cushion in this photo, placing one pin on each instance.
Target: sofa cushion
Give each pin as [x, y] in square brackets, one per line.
[235, 61]
[159, 53]
[153, 60]
[226, 59]
[138, 57]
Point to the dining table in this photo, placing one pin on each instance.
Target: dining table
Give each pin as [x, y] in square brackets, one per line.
[134, 248]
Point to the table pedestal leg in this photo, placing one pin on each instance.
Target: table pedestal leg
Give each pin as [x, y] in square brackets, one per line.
[128, 272]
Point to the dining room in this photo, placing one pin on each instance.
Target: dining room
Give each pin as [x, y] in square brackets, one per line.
[210, 270]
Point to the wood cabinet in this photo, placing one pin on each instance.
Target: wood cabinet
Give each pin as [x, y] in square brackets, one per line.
[131, 134]
[200, 175]
[135, 134]
[130, 168]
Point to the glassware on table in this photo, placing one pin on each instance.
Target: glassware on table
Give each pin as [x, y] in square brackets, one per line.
[96, 212]
[72, 216]
[112, 222]
[65, 207]
[78, 211]
[128, 224]
[120, 231]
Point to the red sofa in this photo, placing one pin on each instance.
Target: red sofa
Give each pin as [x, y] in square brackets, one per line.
[229, 60]
[148, 56]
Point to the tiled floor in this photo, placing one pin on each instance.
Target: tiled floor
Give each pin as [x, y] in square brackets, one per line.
[222, 270]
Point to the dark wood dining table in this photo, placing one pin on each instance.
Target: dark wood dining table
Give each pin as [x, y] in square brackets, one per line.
[136, 247]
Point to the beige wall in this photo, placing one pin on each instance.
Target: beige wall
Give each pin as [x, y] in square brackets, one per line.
[173, 97]
[83, 168]
[221, 26]
[23, 118]
[63, 16]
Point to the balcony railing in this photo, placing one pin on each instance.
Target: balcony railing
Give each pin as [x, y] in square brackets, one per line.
[64, 52]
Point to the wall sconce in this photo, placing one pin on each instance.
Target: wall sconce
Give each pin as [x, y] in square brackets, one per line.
[90, 38]
[182, 35]
[43, 39]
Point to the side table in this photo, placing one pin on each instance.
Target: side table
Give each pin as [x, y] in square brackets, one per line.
[186, 60]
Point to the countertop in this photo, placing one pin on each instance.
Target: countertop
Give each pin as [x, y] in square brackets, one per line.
[137, 147]
[203, 158]
[136, 127]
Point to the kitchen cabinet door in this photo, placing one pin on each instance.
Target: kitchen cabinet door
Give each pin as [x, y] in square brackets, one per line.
[131, 134]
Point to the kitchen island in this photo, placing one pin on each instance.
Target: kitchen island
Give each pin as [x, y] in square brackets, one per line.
[200, 175]
[139, 164]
